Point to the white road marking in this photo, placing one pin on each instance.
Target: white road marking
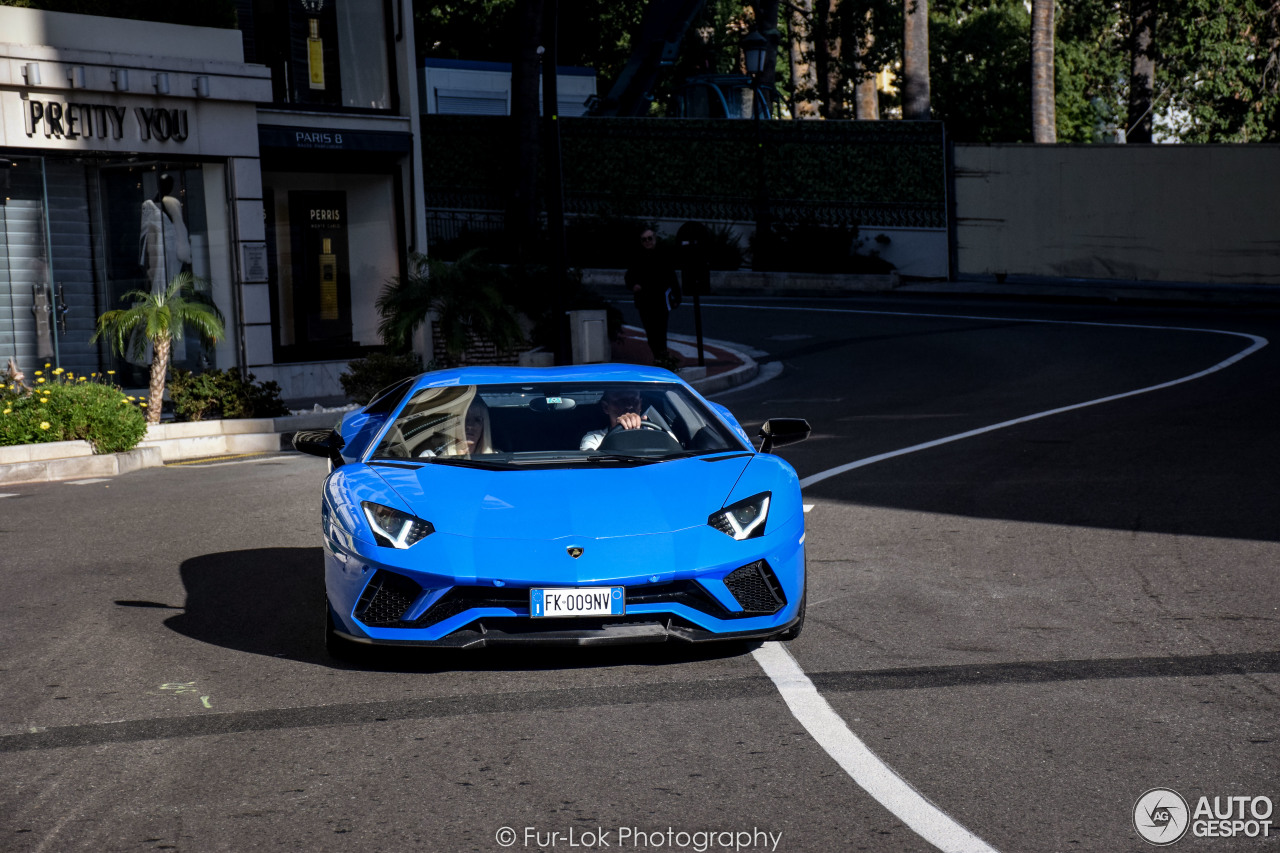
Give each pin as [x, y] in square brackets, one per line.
[87, 482]
[1258, 343]
[9, 495]
[808, 706]
[808, 507]
[863, 766]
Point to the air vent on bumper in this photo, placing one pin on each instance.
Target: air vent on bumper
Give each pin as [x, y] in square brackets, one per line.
[386, 598]
[756, 588]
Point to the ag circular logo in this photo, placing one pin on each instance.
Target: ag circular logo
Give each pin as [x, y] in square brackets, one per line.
[1160, 816]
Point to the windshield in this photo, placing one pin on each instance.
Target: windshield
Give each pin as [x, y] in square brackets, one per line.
[501, 426]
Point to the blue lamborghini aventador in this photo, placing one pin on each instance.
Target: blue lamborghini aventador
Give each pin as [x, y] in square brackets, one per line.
[576, 505]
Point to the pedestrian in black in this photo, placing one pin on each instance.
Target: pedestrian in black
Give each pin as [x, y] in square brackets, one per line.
[655, 289]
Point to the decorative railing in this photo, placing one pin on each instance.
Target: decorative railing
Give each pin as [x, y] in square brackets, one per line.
[870, 174]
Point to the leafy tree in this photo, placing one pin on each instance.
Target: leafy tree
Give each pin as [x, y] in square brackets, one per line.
[158, 319]
[981, 80]
[1221, 66]
[1090, 71]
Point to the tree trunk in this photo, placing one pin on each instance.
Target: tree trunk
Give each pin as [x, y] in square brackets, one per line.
[804, 78]
[1043, 121]
[915, 61]
[523, 208]
[830, 72]
[1142, 15]
[767, 21]
[159, 370]
[866, 98]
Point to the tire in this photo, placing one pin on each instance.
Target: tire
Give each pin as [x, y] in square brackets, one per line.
[794, 631]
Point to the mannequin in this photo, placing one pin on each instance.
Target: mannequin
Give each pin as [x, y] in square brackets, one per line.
[165, 247]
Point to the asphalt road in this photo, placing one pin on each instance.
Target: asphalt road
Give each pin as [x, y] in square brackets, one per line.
[1032, 625]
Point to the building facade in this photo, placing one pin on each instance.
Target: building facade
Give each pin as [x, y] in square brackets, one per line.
[276, 163]
[340, 172]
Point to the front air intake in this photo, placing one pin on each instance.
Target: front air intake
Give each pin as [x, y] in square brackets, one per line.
[756, 588]
[386, 598]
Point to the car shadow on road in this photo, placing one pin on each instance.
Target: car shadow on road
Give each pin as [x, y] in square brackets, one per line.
[270, 601]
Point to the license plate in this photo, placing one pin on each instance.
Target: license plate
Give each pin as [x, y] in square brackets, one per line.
[582, 601]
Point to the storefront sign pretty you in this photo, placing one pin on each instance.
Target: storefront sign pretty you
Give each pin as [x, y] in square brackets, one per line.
[77, 120]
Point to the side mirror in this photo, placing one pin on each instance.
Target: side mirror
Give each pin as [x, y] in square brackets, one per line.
[323, 443]
[779, 431]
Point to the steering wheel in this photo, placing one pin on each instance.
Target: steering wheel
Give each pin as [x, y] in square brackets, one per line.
[643, 425]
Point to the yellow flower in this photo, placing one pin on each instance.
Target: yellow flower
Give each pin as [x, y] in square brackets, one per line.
[142, 404]
[41, 379]
[44, 399]
[81, 378]
[111, 373]
[38, 373]
[8, 411]
[132, 398]
[46, 364]
[58, 371]
[44, 425]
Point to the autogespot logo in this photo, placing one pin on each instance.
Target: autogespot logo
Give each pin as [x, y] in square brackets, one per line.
[1160, 816]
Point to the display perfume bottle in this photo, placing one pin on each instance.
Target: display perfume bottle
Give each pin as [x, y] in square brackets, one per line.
[328, 281]
[315, 54]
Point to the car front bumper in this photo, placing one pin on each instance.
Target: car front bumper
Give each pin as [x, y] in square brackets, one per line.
[693, 585]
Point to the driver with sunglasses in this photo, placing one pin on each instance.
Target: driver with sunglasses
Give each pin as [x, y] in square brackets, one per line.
[623, 408]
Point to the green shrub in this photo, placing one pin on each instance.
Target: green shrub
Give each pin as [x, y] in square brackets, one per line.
[223, 394]
[724, 251]
[64, 408]
[809, 247]
[367, 376]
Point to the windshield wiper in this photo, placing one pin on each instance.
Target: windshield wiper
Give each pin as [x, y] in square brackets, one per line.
[622, 457]
[457, 461]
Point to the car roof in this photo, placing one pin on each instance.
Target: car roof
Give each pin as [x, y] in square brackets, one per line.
[574, 373]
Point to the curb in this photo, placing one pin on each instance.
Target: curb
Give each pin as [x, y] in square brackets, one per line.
[746, 370]
[75, 467]
[740, 375]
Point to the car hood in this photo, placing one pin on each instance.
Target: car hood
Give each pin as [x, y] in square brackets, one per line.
[591, 503]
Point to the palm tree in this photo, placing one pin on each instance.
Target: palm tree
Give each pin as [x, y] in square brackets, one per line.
[158, 319]
[468, 298]
[1042, 90]
[915, 62]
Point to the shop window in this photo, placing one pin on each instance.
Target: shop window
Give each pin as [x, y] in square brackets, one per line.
[332, 248]
[153, 226]
[323, 53]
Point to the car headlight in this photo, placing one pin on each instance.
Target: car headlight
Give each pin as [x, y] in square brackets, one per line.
[743, 520]
[393, 528]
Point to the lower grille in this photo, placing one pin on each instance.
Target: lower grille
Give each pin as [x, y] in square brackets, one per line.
[756, 588]
[389, 595]
[385, 599]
